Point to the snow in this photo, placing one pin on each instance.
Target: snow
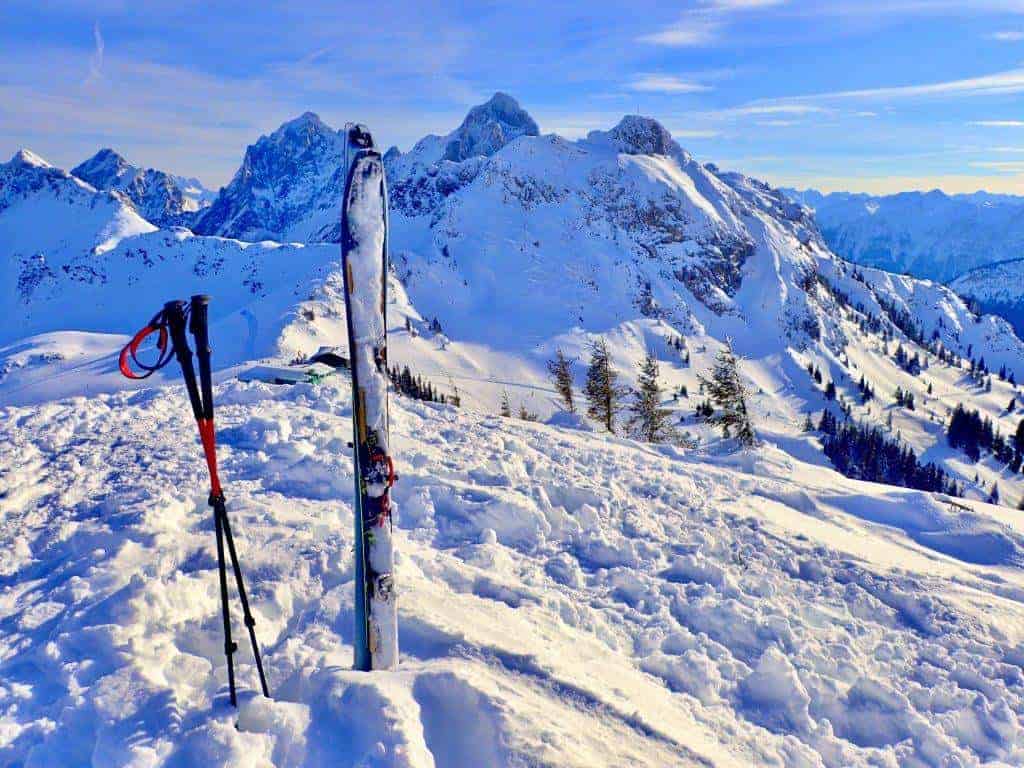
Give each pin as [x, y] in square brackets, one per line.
[929, 235]
[567, 598]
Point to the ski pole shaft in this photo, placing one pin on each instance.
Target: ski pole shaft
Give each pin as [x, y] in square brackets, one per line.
[250, 622]
[229, 646]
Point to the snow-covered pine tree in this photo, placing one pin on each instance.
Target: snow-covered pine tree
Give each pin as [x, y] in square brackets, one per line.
[506, 406]
[648, 420]
[728, 392]
[560, 369]
[602, 391]
[993, 495]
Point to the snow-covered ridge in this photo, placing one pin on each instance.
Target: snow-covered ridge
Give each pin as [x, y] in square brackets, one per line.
[499, 259]
[926, 234]
[159, 197]
[996, 288]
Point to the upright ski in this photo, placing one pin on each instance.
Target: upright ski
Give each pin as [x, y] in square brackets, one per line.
[364, 251]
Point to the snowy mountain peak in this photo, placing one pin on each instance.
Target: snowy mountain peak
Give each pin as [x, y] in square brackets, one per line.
[26, 157]
[285, 181]
[104, 170]
[306, 129]
[638, 135]
[159, 197]
[488, 127]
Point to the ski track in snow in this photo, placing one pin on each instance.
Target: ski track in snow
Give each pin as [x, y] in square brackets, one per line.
[565, 598]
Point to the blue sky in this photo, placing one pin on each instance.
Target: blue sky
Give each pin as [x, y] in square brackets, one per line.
[881, 97]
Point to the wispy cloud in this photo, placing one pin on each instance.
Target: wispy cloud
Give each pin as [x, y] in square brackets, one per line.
[703, 26]
[1008, 36]
[1001, 166]
[997, 84]
[693, 29]
[691, 133]
[998, 123]
[653, 83]
[750, 110]
[96, 59]
[742, 5]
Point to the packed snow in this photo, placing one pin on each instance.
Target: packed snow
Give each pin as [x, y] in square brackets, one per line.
[566, 598]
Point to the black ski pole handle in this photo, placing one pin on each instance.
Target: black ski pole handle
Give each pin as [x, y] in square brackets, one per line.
[199, 327]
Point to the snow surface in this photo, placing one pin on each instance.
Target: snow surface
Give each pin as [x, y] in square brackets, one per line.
[567, 598]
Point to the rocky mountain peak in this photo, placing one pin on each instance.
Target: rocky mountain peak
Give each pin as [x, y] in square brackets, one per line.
[638, 135]
[28, 158]
[104, 169]
[488, 127]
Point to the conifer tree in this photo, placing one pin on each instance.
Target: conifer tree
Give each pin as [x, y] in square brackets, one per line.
[728, 392]
[602, 390]
[506, 407]
[648, 420]
[560, 369]
[993, 495]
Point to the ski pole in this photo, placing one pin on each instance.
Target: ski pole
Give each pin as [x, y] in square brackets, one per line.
[172, 341]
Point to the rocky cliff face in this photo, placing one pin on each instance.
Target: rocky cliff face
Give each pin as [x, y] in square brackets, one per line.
[159, 197]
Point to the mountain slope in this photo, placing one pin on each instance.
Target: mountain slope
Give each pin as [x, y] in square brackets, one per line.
[500, 259]
[567, 597]
[996, 289]
[159, 197]
[45, 210]
[929, 235]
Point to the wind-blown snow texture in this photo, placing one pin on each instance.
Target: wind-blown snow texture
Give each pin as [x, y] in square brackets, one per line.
[568, 598]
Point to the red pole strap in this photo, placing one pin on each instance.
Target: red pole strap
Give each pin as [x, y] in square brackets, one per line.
[206, 434]
[132, 347]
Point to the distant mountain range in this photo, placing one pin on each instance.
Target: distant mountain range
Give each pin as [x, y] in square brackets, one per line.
[929, 235]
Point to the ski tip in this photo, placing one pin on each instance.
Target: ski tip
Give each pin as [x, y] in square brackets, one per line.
[359, 136]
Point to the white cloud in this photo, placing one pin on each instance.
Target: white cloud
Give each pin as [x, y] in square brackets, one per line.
[666, 84]
[691, 30]
[96, 60]
[998, 123]
[1008, 36]
[692, 133]
[773, 109]
[702, 26]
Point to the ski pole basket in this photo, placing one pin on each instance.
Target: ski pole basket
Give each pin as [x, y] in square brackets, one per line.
[171, 326]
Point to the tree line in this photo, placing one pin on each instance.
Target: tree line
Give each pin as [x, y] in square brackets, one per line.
[607, 399]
